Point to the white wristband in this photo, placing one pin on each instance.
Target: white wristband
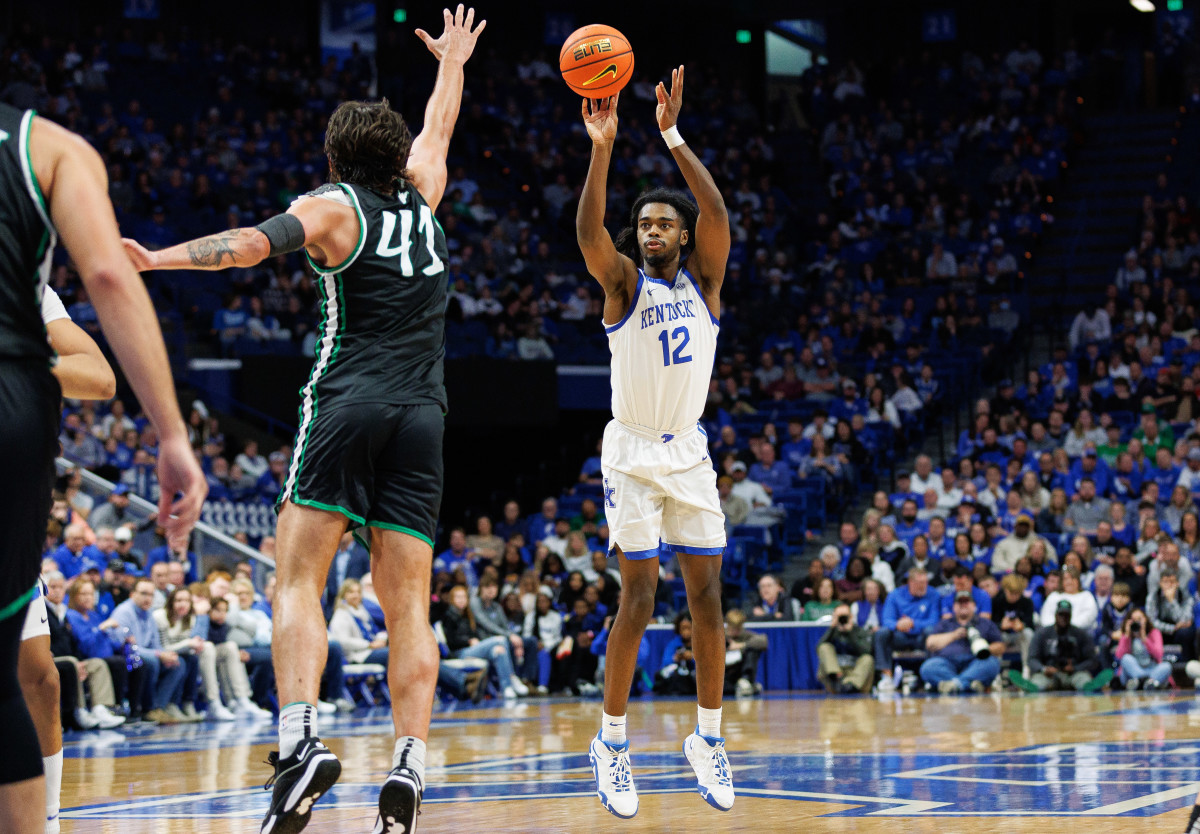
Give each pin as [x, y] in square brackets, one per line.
[671, 137]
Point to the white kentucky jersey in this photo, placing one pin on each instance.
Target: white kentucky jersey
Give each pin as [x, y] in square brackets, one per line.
[662, 354]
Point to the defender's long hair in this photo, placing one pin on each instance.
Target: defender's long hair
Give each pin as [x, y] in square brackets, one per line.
[367, 143]
[627, 243]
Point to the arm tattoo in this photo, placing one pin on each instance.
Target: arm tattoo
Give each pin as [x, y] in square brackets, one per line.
[211, 251]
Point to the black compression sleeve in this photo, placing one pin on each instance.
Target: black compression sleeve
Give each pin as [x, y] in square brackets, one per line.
[285, 232]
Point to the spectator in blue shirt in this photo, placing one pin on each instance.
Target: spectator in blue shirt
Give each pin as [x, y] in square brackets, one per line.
[908, 525]
[1090, 466]
[456, 556]
[903, 490]
[908, 614]
[74, 555]
[798, 446]
[955, 665]
[270, 482]
[163, 680]
[774, 475]
[542, 525]
[1165, 472]
[850, 404]
[963, 583]
[229, 323]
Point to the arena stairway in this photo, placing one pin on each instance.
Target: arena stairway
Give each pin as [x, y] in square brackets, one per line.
[1095, 213]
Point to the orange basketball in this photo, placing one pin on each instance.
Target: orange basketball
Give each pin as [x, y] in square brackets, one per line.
[596, 61]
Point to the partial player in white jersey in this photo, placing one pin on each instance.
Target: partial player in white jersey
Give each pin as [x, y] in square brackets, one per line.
[662, 286]
[84, 374]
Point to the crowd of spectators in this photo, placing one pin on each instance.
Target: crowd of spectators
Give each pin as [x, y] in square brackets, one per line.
[843, 313]
[1066, 520]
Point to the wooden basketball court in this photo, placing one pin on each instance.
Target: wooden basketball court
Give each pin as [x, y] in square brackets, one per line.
[994, 763]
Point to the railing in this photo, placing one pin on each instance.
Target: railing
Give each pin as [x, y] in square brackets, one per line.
[211, 546]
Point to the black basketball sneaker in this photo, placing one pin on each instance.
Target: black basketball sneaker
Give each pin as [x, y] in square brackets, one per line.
[399, 803]
[299, 781]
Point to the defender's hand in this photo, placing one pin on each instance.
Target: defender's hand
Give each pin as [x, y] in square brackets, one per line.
[458, 40]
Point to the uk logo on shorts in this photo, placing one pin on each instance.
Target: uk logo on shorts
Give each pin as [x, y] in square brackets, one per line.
[609, 492]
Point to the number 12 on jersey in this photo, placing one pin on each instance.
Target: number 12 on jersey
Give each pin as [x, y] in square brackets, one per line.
[675, 357]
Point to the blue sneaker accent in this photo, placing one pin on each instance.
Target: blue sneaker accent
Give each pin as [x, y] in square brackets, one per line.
[604, 800]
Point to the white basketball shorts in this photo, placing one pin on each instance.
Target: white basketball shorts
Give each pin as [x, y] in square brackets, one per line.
[660, 492]
[37, 623]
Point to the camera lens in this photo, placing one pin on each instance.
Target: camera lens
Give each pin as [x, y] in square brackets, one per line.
[843, 619]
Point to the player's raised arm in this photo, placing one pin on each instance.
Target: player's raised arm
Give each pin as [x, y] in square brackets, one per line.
[712, 226]
[608, 266]
[427, 160]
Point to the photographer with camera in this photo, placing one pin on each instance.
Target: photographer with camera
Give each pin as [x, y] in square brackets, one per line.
[844, 654]
[1063, 657]
[965, 650]
[1140, 653]
[1013, 612]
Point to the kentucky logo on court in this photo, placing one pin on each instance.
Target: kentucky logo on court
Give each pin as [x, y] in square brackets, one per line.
[1112, 779]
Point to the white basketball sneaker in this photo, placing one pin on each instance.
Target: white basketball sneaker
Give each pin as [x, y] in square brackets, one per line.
[614, 777]
[713, 775]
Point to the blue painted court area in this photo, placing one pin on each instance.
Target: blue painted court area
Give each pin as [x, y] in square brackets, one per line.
[1107, 779]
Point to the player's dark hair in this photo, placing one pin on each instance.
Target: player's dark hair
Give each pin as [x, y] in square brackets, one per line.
[626, 242]
[367, 143]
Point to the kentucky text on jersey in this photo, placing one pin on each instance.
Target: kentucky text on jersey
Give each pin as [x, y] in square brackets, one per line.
[660, 313]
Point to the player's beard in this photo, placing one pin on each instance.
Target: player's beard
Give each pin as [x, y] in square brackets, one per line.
[662, 257]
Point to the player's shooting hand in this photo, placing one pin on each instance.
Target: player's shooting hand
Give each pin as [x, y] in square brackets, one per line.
[600, 119]
[669, 104]
[143, 259]
[458, 40]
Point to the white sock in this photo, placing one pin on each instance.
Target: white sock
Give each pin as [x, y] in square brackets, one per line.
[709, 722]
[409, 752]
[53, 765]
[296, 721]
[612, 729]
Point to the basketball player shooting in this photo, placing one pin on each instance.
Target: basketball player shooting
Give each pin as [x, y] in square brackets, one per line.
[662, 287]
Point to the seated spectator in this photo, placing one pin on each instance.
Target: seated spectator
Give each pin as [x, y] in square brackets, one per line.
[1084, 611]
[1168, 556]
[845, 662]
[64, 647]
[677, 672]
[743, 648]
[1087, 510]
[1140, 653]
[909, 614]
[544, 626]
[849, 588]
[1170, 610]
[1062, 657]
[462, 638]
[805, 589]
[919, 559]
[1013, 612]
[163, 681]
[962, 581]
[957, 664]
[225, 662]
[1015, 545]
[492, 621]
[176, 621]
[354, 630]
[773, 606]
[774, 475]
[868, 612]
[820, 608]
[94, 636]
